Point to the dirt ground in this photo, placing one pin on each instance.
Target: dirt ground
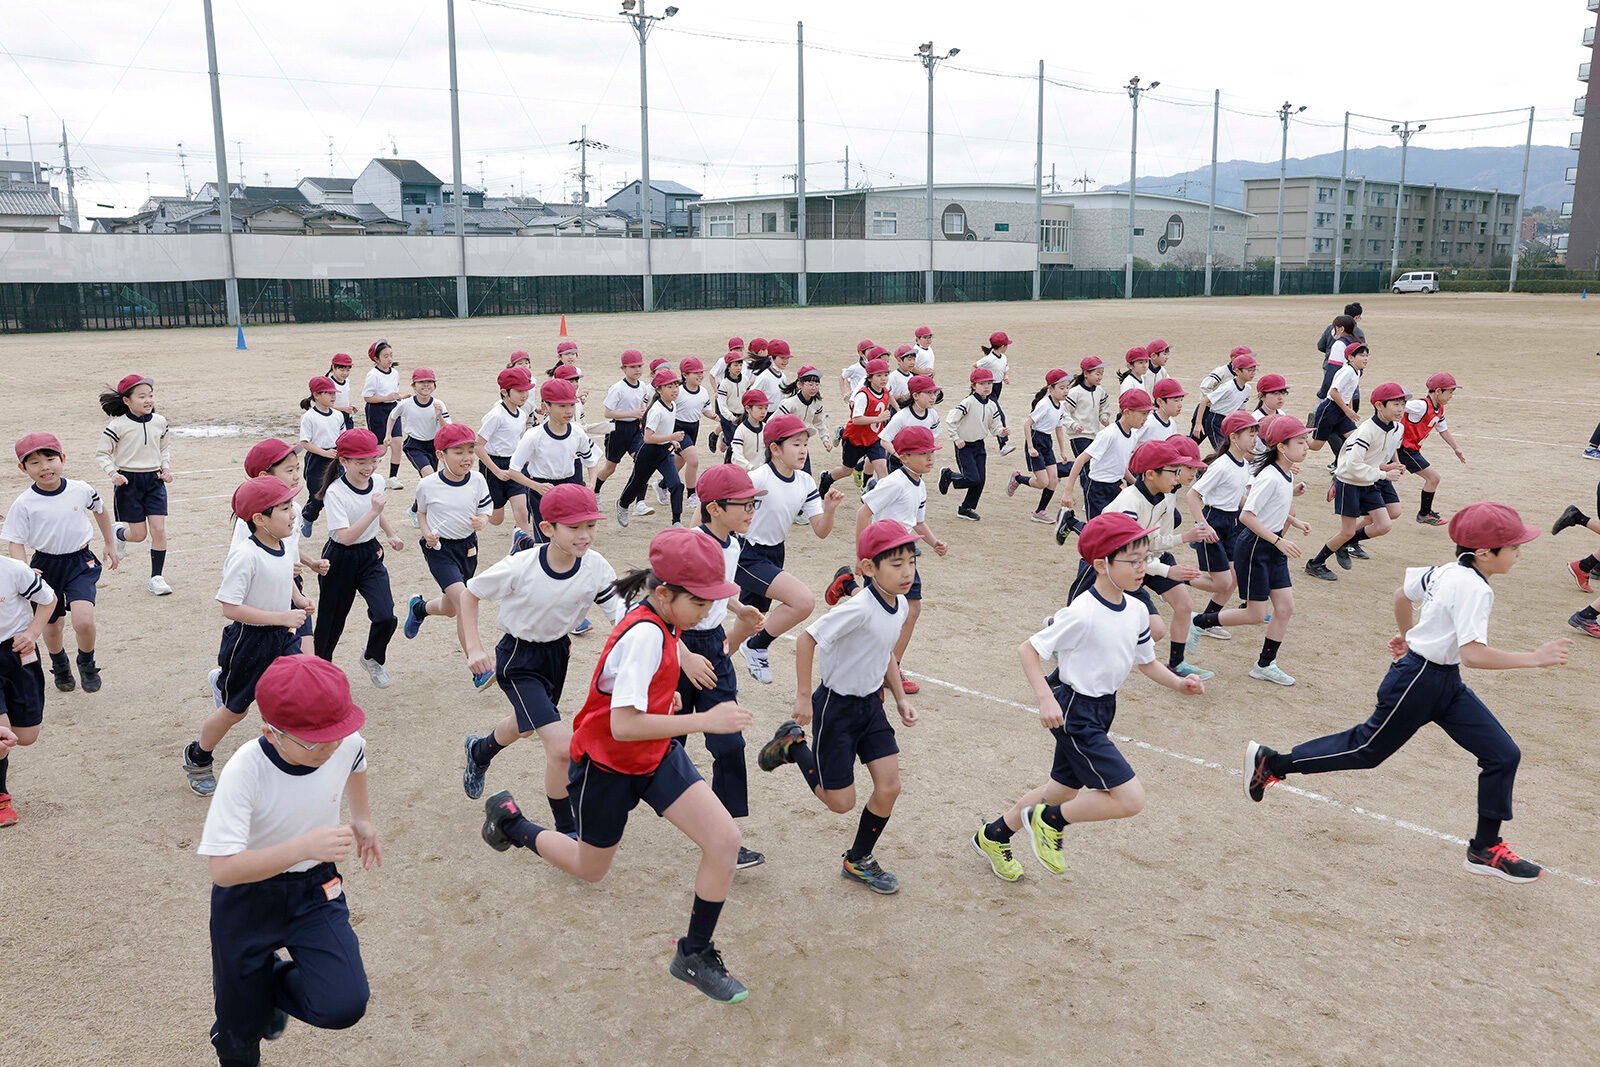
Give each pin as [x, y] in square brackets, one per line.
[1336, 927]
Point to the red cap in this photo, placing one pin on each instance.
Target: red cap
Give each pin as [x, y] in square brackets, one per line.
[1388, 391]
[1280, 428]
[265, 455]
[690, 365]
[1236, 421]
[308, 697]
[358, 444]
[422, 374]
[1443, 380]
[375, 347]
[1152, 455]
[633, 358]
[322, 384]
[902, 351]
[1241, 350]
[923, 331]
[727, 481]
[1272, 383]
[757, 344]
[260, 495]
[558, 391]
[781, 428]
[1167, 388]
[517, 357]
[664, 376]
[915, 439]
[733, 357]
[878, 353]
[1243, 361]
[1156, 347]
[1356, 347]
[808, 372]
[754, 398]
[568, 504]
[133, 381]
[877, 366]
[980, 374]
[735, 342]
[341, 359]
[563, 347]
[1135, 400]
[514, 378]
[1135, 354]
[1089, 363]
[30, 443]
[778, 348]
[691, 560]
[863, 347]
[655, 364]
[921, 383]
[883, 535]
[567, 372]
[452, 434]
[1107, 532]
[1188, 451]
[998, 338]
[1051, 377]
[1489, 525]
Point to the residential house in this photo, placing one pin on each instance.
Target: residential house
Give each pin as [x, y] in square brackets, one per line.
[670, 205]
[29, 207]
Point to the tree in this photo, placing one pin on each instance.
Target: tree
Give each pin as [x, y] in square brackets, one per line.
[1261, 263]
[1140, 263]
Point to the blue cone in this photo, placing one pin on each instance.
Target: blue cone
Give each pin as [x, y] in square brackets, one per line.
[240, 345]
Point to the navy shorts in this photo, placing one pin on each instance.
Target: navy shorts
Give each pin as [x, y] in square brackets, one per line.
[1218, 556]
[1085, 757]
[72, 576]
[623, 440]
[1160, 584]
[602, 797]
[1331, 423]
[1259, 566]
[1388, 491]
[759, 566]
[915, 592]
[845, 729]
[307, 627]
[21, 687]
[455, 560]
[1354, 501]
[244, 655]
[316, 473]
[691, 433]
[378, 416]
[1045, 446]
[421, 454]
[1097, 495]
[1415, 462]
[500, 491]
[143, 496]
[855, 454]
[1211, 426]
[532, 674]
[708, 643]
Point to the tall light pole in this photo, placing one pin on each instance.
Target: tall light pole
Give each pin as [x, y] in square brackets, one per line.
[230, 284]
[930, 60]
[462, 306]
[1403, 131]
[642, 25]
[1134, 89]
[1283, 169]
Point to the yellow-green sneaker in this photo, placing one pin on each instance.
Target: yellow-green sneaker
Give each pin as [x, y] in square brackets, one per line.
[1046, 839]
[998, 853]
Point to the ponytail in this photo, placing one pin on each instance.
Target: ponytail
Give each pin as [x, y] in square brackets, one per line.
[1124, 375]
[986, 349]
[1040, 395]
[790, 388]
[758, 363]
[551, 373]
[305, 404]
[113, 403]
[335, 469]
[1265, 460]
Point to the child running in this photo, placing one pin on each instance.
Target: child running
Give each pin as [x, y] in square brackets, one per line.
[1137, 374]
[688, 411]
[1096, 640]
[1105, 461]
[624, 405]
[497, 438]
[1335, 417]
[1588, 567]
[339, 369]
[555, 452]
[869, 410]
[417, 421]
[731, 388]
[995, 362]
[1043, 433]
[1423, 416]
[320, 428]
[1215, 500]
[278, 459]
[745, 447]
[355, 501]
[802, 398]
[380, 393]
[1424, 684]
[1162, 425]
[1357, 500]
[919, 410]
[625, 749]
[971, 422]
[661, 443]
[273, 839]
[25, 609]
[855, 643]
[58, 517]
[134, 451]
[1228, 394]
[854, 375]
[924, 342]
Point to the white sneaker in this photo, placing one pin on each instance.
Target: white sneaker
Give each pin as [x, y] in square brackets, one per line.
[120, 531]
[803, 520]
[1007, 448]
[377, 672]
[1191, 642]
[1271, 673]
[394, 482]
[216, 690]
[662, 497]
[158, 585]
[641, 508]
[691, 503]
[1216, 631]
[622, 516]
[756, 660]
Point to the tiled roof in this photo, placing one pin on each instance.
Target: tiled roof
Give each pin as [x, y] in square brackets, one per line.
[14, 201]
[333, 185]
[408, 170]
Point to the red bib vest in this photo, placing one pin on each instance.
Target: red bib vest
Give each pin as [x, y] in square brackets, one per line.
[1414, 433]
[591, 730]
[877, 404]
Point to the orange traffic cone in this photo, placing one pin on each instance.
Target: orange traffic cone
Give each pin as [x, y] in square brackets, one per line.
[563, 326]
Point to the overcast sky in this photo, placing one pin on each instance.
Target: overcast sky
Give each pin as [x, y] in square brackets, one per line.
[129, 80]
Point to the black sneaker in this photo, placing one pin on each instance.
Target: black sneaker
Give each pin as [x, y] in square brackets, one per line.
[1318, 569]
[705, 971]
[945, 478]
[842, 586]
[1498, 859]
[775, 753]
[970, 514]
[748, 857]
[1342, 554]
[276, 1025]
[496, 810]
[869, 873]
[91, 677]
[472, 777]
[825, 483]
[1256, 776]
[1569, 518]
[64, 681]
[1356, 551]
[1064, 525]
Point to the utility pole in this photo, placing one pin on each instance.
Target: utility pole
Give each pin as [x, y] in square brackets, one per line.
[1211, 204]
[72, 195]
[330, 156]
[1405, 133]
[239, 147]
[584, 144]
[930, 61]
[183, 165]
[33, 167]
[230, 285]
[1522, 198]
[1134, 92]
[1283, 169]
[1338, 218]
[800, 170]
[846, 184]
[1038, 193]
[642, 25]
[462, 307]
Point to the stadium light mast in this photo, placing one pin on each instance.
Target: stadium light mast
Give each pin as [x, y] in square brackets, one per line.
[463, 308]
[1403, 131]
[633, 11]
[1284, 113]
[930, 60]
[230, 285]
[1134, 92]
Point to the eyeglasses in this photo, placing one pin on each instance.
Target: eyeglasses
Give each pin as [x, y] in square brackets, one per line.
[744, 505]
[1174, 471]
[309, 748]
[1137, 563]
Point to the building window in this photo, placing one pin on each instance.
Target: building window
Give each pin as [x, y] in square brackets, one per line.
[1449, 203]
[677, 204]
[1219, 228]
[1378, 199]
[1321, 244]
[1444, 227]
[1505, 209]
[1375, 247]
[1138, 231]
[1174, 229]
[955, 222]
[1349, 221]
[1054, 236]
[1405, 200]
[1377, 223]
[719, 225]
[1323, 219]
[1444, 248]
[769, 222]
[1416, 246]
[885, 223]
[1002, 227]
[1346, 248]
[1499, 250]
[1480, 248]
[794, 221]
[414, 198]
[1483, 228]
[1422, 225]
[1324, 194]
[1350, 196]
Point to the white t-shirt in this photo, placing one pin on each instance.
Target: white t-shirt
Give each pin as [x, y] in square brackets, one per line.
[263, 801]
[995, 364]
[690, 405]
[502, 428]
[346, 505]
[855, 641]
[421, 421]
[1455, 603]
[1336, 350]
[54, 523]
[899, 385]
[450, 506]
[627, 672]
[1109, 453]
[856, 374]
[730, 565]
[661, 418]
[625, 397]
[770, 382]
[259, 577]
[538, 603]
[1156, 430]
[786, 498]
[1223, 485]
[899, 497]
[381, 383]
[1096, 643]
[1047, 415]
[1271, 496]
[1229, 396]
[730, 396]
[924, 359]
[321, 430]
[241, 533]
[1348, 381]
[545, 457]
[341, 393]
[20, 589]
[907, 416]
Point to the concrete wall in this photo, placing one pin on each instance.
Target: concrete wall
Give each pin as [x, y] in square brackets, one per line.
[1099, 237]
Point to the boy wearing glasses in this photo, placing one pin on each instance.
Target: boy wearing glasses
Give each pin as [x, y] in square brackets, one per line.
[274, 837]
[1095, 640]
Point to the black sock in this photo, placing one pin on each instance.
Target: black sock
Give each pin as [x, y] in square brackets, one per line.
[998, 830]
[394, 470]
[1322, 556]
[599, 483]
[5, 765]
[1427, 503]
[58, 661]
[761, 639]
[1207, 618]
[1280, 764]
[867, 833]
[1588, 613]
[1488, 832]
[1052, 817]
[1589, 563]
[675, 494]
[1357, 537]
[1269, 652]
[415, 605]
[158, 560]
[561, 812]
[702, 924]
[1213, 606]
[806, 760]
[1044, 498]
[1175, 655]
[519, 831]
[85, 659]
[486, 748]
[198, 755]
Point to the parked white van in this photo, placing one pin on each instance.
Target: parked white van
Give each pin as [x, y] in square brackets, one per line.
[1417, 281]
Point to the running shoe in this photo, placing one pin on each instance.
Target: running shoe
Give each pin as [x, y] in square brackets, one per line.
[1342, 556]
[496, 810]
[1007, 447]
[520, 540]
[65, 683]
[202, 776]
[394, 482]
[480, 682]
[756, 660]
[867, 871]
[998, 853]
[842, 586]
[1064, 522]
[1356, 551]
[91, 676]
[472, 777]
[1192, 641]
[1588, 626]
[158, 585]
[305, 528]
[970, 514]
[1046, 839]
[1576, 567]
[706, 972]
[1042, 516]
[1271, 673]
[748, 857]
[945, 478]
[641, 508]
[860, 477]
[1500, 861]
[775, 753]
[8, 814]
[582, 628]
[1256, 776]
[1569, 518]
[1013, 483]
[1430, 518]
[212, 679]
[1591, 452]
[416, 611]
[623, 518]
[1320, 570]
[662, 496]
[377, 672]
[1189, 670]
[908, 686]
[275, 1025]
[416, 522]
[1215, 631]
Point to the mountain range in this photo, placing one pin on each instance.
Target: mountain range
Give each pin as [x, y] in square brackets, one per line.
[1467, 168]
